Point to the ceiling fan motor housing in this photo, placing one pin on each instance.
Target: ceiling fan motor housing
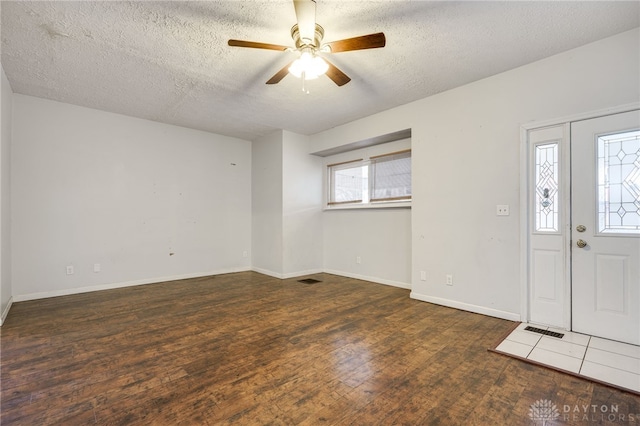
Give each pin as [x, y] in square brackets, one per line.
[300, 43]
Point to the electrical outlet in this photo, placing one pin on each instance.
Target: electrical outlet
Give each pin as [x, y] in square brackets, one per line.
[423, 275]
[449, 279]
[69, 269]
[358, 260]
[245, 254]
[502, 210]
[96, 267]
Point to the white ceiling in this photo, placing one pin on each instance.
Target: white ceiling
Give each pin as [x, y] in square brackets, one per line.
[170, 62]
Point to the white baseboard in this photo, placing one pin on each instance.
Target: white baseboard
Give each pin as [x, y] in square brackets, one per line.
[268, 272]
[334, 272]
[423, 297]
[302, 273]
[287, 275]
[3, 317]
[466, 307]
[66, 292]
[372, 279]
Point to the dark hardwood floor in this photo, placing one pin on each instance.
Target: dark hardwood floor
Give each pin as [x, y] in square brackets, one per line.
[249, 349]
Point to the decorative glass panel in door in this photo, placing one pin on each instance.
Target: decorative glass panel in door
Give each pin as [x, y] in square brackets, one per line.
[619, 183]
[546, 190]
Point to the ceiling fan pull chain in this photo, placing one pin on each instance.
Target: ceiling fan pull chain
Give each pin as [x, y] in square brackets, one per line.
[304, 82]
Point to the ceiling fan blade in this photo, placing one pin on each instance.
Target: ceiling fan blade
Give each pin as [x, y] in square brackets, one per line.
[370, 41]
[256, 45]
[280, 74]
[336, 75]
[306, 15]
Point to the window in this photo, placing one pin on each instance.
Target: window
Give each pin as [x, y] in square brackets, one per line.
[391, 177]
[546, 188]
[619, 183]
[380, 179]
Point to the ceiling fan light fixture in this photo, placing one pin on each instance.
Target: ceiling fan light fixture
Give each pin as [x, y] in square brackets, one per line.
[308, 65]
[307, 37]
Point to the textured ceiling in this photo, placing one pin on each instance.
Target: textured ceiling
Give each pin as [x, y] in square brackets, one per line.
[170, 62]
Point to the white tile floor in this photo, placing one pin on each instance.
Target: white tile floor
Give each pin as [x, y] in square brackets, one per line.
[592, 357]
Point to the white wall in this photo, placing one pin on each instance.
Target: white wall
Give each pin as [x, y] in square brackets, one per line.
[5, 196]
[380, 237]
[466, 160]
[266, 204]
[147, 201]
[93, 187]
[302, 207]
[286, 206]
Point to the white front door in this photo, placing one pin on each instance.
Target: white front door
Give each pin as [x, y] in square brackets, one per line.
[605, 227]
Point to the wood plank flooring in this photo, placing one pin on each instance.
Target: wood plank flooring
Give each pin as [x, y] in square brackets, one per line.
[250, 349]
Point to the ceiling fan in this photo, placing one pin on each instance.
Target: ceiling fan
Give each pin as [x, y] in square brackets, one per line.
[307, 37]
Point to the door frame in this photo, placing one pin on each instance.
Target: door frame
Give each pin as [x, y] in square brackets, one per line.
[565, 200]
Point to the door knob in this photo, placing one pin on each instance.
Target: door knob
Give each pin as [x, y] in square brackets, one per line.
[581, 243]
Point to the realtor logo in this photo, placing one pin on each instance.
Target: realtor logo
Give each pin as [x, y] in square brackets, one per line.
[543, 410]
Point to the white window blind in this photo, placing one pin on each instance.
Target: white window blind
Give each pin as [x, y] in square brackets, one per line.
[391, 176]
[383, 178]
[349, 182]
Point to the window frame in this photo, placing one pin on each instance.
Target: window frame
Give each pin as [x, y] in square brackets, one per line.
[378, 159]
[331, 179]
[367, 201]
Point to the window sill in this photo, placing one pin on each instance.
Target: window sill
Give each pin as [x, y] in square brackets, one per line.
[388, 205]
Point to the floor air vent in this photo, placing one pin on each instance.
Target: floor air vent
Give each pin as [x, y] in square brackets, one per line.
[545, 332]
[309, 281]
